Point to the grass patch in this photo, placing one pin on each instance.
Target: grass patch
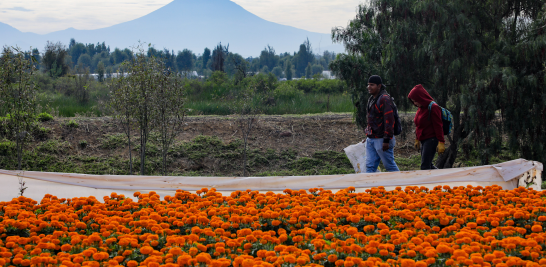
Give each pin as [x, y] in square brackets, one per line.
[113, 141]
[67, 106]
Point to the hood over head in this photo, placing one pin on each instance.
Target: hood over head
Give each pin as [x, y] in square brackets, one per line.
[420, 95]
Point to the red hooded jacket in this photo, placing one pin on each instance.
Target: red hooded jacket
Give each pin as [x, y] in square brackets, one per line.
[426, 128]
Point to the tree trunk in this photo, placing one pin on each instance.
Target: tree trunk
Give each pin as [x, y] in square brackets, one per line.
[244, 157]
[19, 146]
[19, 152]
[164, 163]
[130, 155]
[142, 149]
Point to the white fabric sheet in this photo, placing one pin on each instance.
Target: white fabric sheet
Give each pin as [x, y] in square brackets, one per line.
[68, 185]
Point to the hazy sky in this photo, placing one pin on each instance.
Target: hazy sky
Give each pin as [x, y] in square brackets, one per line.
[44, 16]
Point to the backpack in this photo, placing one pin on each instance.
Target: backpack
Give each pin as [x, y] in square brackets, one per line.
[447, 118]
[397, 124]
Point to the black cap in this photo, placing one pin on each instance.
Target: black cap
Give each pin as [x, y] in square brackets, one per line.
[375, 79]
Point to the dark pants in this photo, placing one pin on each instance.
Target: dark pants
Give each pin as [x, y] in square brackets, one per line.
[428, 150]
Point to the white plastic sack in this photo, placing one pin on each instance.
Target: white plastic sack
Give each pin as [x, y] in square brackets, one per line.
[357, 155]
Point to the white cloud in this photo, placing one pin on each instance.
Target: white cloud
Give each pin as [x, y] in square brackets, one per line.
[312, 15]
[18, 8]
[44, 16]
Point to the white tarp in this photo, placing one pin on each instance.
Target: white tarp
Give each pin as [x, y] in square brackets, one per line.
[68, 185]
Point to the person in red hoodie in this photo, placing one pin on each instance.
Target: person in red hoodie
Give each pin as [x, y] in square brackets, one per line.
[428, 127]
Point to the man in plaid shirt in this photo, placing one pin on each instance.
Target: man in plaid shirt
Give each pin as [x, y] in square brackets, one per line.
[380, 140]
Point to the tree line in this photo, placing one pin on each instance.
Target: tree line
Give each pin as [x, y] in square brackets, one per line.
[57, 60]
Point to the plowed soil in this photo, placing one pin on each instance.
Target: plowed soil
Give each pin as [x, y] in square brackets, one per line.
[305, 134]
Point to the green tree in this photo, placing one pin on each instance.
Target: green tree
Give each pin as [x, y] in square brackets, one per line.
[475, 58]
[100, 71]
[142, 79]
[308, 71]
[268, 58]
[277, 71]
[304, 57]
[54, 59]
[18, 96]
[238, 66]
[184, 61]
[206, 57]
[316, 69]
[84, 62]
[37, 57]
[288, 70]
[219, 55]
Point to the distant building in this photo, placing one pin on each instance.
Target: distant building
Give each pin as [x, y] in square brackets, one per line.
[327, 74]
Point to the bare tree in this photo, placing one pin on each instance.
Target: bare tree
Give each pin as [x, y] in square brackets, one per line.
[123, 102]
[169, 112]
[18, 95]
[247, 113]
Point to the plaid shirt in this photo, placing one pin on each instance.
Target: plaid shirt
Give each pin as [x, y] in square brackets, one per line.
[380, 114]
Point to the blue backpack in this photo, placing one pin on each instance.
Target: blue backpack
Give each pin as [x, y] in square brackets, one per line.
[447, 118]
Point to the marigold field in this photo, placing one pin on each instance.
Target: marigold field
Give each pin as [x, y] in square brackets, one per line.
[461, 226]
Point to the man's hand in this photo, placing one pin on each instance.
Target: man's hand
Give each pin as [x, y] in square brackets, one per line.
[417, 145]
[385, 146]
[441, 148]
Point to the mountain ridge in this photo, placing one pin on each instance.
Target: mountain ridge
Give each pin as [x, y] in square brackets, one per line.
[191, 24]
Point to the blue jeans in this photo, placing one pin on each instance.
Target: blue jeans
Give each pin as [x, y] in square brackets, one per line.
[375, 154]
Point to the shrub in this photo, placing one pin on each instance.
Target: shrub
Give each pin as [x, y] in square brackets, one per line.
[7, 148]
[113, 141]
[287, 90]
[44, 116]
[53, 147]
[72, 124]
[41, 133]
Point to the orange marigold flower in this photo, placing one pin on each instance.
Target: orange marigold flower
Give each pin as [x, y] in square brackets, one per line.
[408, 263]
[146, 250]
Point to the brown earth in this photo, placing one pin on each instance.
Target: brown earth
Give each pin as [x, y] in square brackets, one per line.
[306, 134]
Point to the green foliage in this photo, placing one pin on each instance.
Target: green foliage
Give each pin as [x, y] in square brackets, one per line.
[152, 97]
[7, 147]
[54, 59]
[304, 58]
[184, 60]
[53, 147]
[113, 141]
[72, 124]
[17, 96]
[44, 116]
[287, 91]
[434, 45]
[41, 133]
[288, 70]
[100, 71]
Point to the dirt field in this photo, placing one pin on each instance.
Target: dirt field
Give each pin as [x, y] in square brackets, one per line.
[306, 134]
[208, 146]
